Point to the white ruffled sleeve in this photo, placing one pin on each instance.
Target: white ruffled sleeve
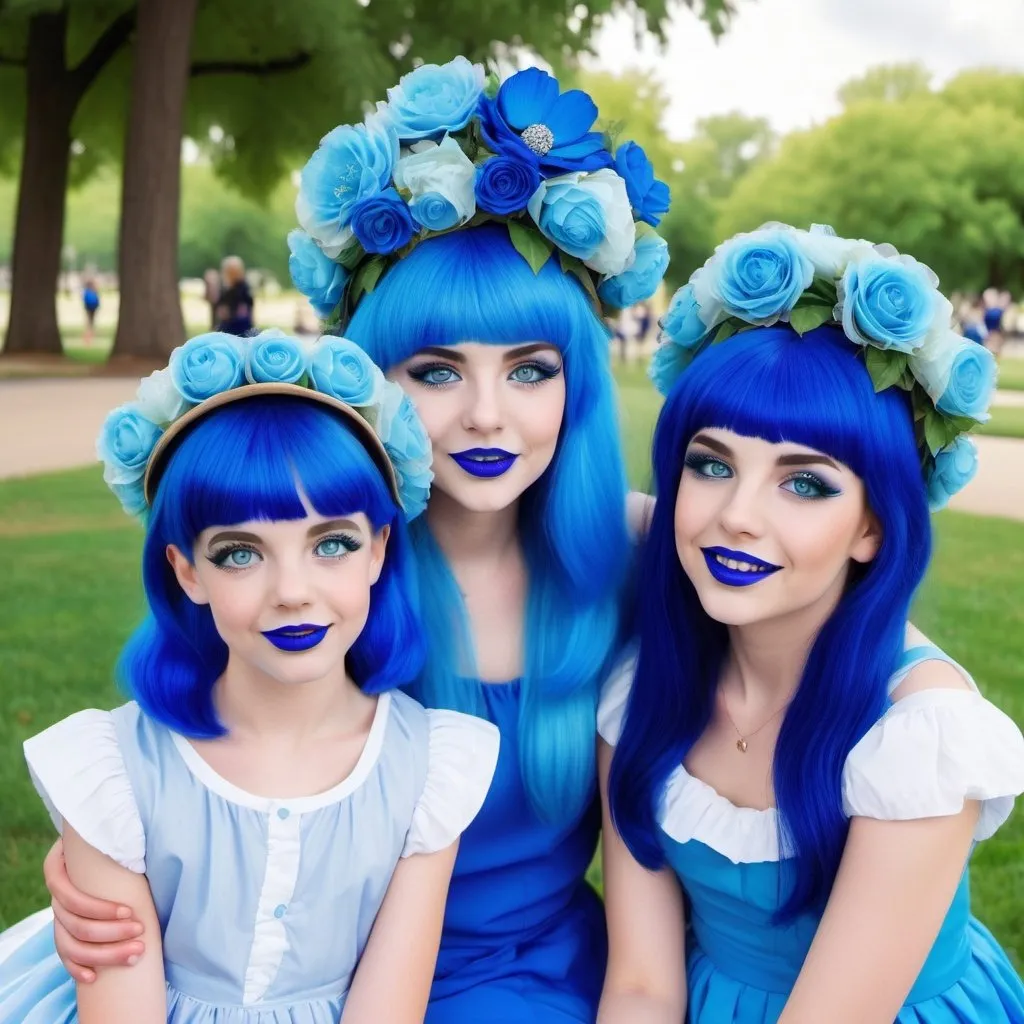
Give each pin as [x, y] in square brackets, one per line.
[461, 758]
[611, 708]
[77, 769]
[932, 751]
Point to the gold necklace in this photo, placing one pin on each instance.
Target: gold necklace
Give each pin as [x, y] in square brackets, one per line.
[741, 743]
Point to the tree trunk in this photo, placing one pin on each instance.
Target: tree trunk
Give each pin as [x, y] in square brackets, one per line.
[39, 228]
[150, 322]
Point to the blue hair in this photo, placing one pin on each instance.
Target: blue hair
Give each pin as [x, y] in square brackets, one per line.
[770, 383]
[472, 285]
[246, 461]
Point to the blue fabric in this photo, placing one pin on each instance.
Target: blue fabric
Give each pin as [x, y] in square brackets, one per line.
[993, 318]
[524, 937]
[206, 858]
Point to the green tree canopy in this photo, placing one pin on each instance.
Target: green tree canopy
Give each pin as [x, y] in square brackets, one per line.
[890, 82]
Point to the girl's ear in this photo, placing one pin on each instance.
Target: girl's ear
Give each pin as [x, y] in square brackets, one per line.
[866, 546]
[378, 549]
[186, 575]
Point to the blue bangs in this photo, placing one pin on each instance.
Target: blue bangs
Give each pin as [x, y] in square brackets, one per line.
[252, 461]
[473, 286]
[814, 391]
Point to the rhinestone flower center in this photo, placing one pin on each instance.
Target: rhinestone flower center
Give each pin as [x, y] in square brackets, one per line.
[539, 138]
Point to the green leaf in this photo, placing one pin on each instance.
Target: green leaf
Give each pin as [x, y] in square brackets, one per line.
[350, 257]
[822, 292]
[807, 318]
[365, 279]
[908, 380]
[643, 229]
[885, 367]
[530, 244]
[936, 433]
[725, 330]
[491, 85]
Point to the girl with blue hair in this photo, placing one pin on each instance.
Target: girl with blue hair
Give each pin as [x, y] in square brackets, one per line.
[476, 282]
[282, 820]
[794, 776]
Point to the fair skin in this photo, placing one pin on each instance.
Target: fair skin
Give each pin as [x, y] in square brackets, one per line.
[296, 726]
[469, 396]
[791, 507]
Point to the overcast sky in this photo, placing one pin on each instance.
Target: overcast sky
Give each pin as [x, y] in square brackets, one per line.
[785, 59]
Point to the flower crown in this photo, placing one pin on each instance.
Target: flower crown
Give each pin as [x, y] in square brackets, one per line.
[452, 148]
[886, 303]
[213, 369]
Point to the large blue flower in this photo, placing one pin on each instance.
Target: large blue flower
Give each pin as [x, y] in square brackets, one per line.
[432, 99]
[530, 120]
[648, 196]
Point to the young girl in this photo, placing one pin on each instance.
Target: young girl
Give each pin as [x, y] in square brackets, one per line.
[523, 549]
[282, 821]
[811, 769]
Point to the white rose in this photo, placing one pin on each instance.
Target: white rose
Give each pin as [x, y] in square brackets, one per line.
[158, 399]
[442, 168]
[615, 253]
[827, 251]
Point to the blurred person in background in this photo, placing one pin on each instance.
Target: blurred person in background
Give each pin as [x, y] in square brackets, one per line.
[235, 303]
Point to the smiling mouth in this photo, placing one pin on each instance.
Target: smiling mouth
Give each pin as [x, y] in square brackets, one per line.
[737, 568]
[484, 462]
[732, 563]
[297, 638]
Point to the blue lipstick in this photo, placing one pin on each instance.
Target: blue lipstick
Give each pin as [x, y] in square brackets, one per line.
[754, 570]
[296, 638]
[484, 462]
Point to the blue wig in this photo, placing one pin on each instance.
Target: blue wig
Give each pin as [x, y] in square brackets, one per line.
[472, 285]
[770, 383]
[247, 461]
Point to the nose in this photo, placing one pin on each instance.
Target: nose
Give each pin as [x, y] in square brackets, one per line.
[741, 512]
[290, 586]
[483, 412]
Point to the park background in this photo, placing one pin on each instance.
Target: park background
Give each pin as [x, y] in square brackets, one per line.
[146, 140]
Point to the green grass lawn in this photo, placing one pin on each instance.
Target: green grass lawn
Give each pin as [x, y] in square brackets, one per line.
[1011, 373]
[70, 595]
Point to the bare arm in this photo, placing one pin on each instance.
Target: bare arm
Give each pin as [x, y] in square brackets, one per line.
[119, 996]
[639, 511]
[646, 978]
[894, 886]
[393, 979]
[89, 932]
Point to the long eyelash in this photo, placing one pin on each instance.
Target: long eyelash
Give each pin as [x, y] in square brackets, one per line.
[220, 556]
[827, 490]
[698, 460]
[348, 542]
[419, 373]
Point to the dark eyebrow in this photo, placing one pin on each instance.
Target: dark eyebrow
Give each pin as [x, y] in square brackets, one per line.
[313, 531]
[249, 538]
[331, 524]
[442, 353]
[806, 459]
[710, 442]
[526, 350]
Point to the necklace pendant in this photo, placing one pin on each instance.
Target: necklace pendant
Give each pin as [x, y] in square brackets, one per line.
[741, 745]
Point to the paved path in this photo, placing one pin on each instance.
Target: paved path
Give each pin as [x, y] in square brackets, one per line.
[52, 424]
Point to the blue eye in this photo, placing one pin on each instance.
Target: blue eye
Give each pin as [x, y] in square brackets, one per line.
[534, 373]
[235, 558]
[336, 546]
[434, 375]
[809, 485]
[708, 466]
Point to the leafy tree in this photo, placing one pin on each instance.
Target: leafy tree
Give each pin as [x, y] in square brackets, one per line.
[890, 82]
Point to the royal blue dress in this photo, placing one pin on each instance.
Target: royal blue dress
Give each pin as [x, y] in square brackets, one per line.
[930, 751]
[524, 938]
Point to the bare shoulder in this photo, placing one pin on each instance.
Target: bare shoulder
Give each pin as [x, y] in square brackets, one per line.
[931, 675]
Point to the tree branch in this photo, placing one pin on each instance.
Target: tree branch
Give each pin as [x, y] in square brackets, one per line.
[118, 33]
[241, 67]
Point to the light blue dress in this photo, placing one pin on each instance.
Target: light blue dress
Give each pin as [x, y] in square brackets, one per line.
[929, 752]
[265, 905]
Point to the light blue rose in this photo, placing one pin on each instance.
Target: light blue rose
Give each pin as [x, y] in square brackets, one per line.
[667, 363]
[682, 323]
[972, 380]
[207, 365]
[759, 277]
[317, 276]
[640, 280]
[408, 446]
[274, 358]
[340, 368]
[445, 170]
[888, 302]
[125, 443]
[954, 469]
[132, 497]
[433, 212]
[434, 99]
[353, 162]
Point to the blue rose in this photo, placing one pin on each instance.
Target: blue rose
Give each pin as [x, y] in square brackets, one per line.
[207, 365]
[408, 446]
[682, 323]
[125, 443]
[132, 497]
[432, 211]
[667, 363]
[640, 280]
[648, 196]
[434, 99]
[383, 223]
[972, 380]
[954, 469]
[319, 278]
[504, 185]
[274, 358]
[439, 169]
[340, 368]
[760, 276]
[572, 218]
[352, 163]
[887, 302]
[530, 121]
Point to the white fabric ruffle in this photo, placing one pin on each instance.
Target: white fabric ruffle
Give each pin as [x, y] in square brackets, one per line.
[78, 770]
[462, 756]
[611, 708]
[929, 753]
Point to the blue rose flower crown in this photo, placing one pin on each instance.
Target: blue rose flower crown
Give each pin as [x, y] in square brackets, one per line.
[452, 148]
[213, 369]
[887, 303]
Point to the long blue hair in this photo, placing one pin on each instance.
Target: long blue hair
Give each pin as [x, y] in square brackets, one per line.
[772, 384]
[247, 461]
[472, 285]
